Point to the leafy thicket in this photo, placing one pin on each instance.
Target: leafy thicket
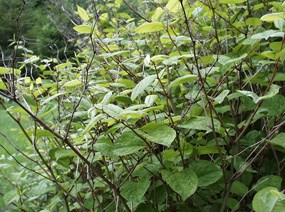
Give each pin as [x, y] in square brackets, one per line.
[166, 106]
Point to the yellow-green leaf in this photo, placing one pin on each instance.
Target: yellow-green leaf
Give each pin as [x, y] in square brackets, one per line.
[273, 17]
[150, 27]
[82, 13]
[231, 1]
[4, 70]
[83, 29]
[72, 83]
[173, 6]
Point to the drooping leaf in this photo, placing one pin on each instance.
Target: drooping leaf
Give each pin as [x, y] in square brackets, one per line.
[92, 123]
[85, 29]
[159, 133]
[127, 143]
[274, 89]
[273, 17]
[267, 34]
[206, 171]
[142, 85]
[150, 27]
[134, 191]
[184, 183]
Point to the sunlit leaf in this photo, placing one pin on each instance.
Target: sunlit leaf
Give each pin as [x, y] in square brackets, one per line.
[150, 27]
[82, 13]
[83, 29]
[273, 17]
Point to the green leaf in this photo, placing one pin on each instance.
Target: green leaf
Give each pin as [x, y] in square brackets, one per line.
[134, 191]
[201, 123]
[2, 85]
[157, 14]
[150, 27]
[183, 79]
[184, 183]
[110, 109]
[278, 142]
[72, 83]
[142, 85]
[158, 133]
[239, 188]
[47, 100]
[267, 34]
[85, 29]
[220, 98]
[149, 100]
[92, 123]
[274, 89]
[206, 171]
[173, 6]
[82, 13]
[231, 1]
[206, 150]
[273, 17]
[268, 181]
[11, 196]
[253, 21]
[4, 70]
[104, 145]
[266, 199]
[127, 143]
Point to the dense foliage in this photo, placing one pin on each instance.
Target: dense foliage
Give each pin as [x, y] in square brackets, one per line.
[166, 106]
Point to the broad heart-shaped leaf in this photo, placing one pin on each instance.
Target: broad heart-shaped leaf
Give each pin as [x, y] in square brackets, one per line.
[150, 27]
[183, 79]
[142, 85]
[158, 133]
[82, 13]
[273, 17]
[184, 183]
[268, 199]
[231, 1]
[127, 143]
[206, 171]
[201, 123]
[268, 181]
[134, 191]
[85, 29]
[278, 142]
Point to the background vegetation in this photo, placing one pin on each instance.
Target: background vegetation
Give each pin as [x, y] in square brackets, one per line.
[161, 106]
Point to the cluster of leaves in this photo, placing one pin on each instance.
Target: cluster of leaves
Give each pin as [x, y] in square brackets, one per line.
[179, 108]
